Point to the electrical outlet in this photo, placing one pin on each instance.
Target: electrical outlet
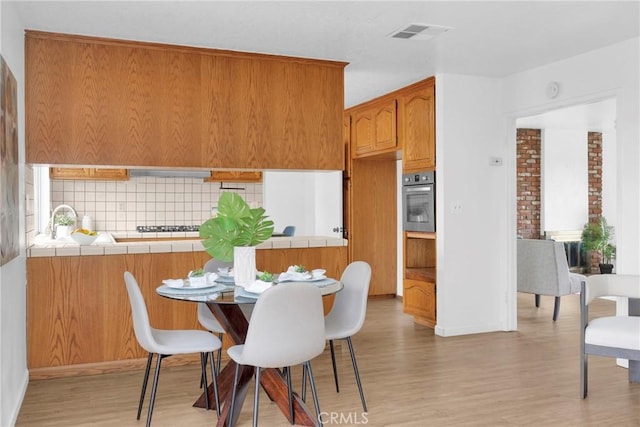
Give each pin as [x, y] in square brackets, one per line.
[122, 207]
[456, 208]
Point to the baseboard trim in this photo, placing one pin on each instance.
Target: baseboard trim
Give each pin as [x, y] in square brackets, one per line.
[106, 367]
[13, 419]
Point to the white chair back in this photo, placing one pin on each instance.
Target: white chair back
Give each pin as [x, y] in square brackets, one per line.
[350, 305]
[141, 324]
[622, 285]
[286, 328]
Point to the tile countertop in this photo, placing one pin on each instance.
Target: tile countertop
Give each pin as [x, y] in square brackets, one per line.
[163, 246]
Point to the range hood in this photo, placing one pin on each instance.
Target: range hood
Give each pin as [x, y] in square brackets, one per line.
[170, 173]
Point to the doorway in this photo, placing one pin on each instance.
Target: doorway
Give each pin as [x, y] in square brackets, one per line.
[566, 173]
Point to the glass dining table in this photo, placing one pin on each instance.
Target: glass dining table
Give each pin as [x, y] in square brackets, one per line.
[228, 304]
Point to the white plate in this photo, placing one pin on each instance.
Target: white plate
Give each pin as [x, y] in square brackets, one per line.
[311, 279]
[175, 284]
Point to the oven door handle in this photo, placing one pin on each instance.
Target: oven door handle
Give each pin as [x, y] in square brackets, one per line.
[417, 189]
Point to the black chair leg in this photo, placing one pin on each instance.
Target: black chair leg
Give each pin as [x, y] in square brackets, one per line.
[304, 383]
[355, 371]
[154, 388]
[556, 309]
[214, 375]
[256, 398]
[203, 364]
[537, 296]
[144, 384]
[219, 359]
[233, 396]
[314, 393]
[292, 418]
[333, 362]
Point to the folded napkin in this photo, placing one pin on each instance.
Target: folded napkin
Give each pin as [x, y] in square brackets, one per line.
[174, 283]
[292, 275]
[201, 281]
[258, 287]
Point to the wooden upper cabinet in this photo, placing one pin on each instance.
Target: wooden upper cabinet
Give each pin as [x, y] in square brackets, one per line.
[234, 176]
[374, 128]
[417, 123]
[89, 173]
[96, 101]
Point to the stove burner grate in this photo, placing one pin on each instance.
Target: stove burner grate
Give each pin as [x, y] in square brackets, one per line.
[166, 228]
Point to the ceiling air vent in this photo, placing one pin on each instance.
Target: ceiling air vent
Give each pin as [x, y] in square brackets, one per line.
[419, 31]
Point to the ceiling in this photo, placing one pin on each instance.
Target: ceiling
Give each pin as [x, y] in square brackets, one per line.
[491, 39]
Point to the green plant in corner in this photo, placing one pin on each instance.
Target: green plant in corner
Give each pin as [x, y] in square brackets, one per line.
[236, 224]
[597, 236]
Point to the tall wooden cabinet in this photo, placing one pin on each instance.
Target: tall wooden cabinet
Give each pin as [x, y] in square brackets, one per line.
[97, 101]
[400, 124]
[416, 111]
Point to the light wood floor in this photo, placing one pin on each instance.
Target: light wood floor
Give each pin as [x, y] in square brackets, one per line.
[411, 378]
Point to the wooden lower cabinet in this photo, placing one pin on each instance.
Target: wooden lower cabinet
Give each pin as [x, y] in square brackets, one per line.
[419, 300]
[79, 317]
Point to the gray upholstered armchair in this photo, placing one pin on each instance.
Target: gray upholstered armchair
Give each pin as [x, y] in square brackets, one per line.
[543, 270]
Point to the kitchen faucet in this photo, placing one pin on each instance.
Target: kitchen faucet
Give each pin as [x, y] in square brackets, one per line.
[53, 216]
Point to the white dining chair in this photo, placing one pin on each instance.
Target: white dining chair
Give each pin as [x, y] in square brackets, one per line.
[347, 316]
[165, 343]
[205, 317]
[286, 329]
[608, 336]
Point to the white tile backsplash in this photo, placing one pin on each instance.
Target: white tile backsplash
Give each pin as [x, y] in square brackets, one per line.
[121, 206]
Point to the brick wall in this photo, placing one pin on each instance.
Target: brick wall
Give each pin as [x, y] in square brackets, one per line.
[594, 153]
[528, 182]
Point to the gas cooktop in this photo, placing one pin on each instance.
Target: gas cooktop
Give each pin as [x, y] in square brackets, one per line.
[166, 228]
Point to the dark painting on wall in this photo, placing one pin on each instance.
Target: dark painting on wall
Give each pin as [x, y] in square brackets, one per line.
[9, 223]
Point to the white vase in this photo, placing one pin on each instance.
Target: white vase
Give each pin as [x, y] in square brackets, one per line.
[63, 231]
[244, 265]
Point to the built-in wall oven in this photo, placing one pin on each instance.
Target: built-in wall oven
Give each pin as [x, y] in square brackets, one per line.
[418, 201]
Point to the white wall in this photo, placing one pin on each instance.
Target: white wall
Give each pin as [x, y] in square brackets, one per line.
[311, 201]
[470, 266]
[565, 200]
[603, 73]
[475, 120]
[13, 335]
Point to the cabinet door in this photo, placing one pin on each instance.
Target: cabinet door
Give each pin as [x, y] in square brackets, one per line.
[419, 300]
[373, 129]
[362, 133]
[385, 136]
[417, 128]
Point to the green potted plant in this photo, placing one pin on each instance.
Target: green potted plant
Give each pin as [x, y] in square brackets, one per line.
[597, 236]
[234, 233]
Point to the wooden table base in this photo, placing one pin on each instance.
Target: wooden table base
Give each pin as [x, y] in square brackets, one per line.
[272, 380]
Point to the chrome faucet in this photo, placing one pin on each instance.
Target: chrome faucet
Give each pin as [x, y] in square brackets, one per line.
[53, 217]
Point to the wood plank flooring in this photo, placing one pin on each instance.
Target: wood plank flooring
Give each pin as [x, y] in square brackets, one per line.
[411, 378]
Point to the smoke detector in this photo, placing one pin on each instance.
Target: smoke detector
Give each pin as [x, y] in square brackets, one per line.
[419, 31]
